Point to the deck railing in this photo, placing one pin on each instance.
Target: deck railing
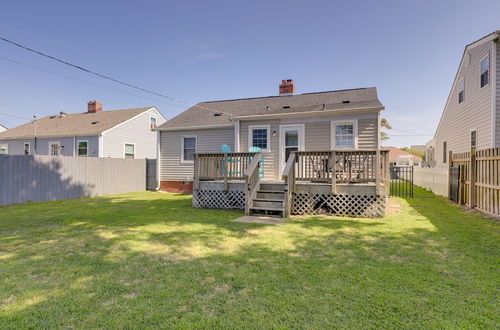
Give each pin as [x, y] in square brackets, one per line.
[221, 166]
[252, 181]
[289, 179]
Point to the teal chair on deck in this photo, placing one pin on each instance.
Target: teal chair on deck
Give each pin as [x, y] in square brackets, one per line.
[227, 149]
[261, 160]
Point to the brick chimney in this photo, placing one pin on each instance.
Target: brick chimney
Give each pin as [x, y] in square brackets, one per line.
[94, 106]
[287, 87]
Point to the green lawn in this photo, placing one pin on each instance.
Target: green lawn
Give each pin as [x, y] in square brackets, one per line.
[150, 260]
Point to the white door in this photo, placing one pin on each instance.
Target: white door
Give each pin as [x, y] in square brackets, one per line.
[291, 139]
[55, 148]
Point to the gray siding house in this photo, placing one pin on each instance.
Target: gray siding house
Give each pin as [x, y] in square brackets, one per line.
[127, 133]
[278, 125]
[471, 117]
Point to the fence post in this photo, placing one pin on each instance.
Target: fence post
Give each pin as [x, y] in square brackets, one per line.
[450, 164]
[377, 172]
[472, 178]
[196, 173]
[334, 174]
[226, 170]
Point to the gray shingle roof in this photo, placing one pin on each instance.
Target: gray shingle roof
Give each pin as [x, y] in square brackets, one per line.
[74, 124]
[331, 100]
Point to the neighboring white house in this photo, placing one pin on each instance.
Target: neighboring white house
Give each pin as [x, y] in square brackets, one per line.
[2, 128]
[127, 133]
[278, 125]
[471, 117]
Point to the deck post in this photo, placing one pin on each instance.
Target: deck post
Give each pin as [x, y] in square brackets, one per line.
[387, 176]
[472, 178]
[377, 172]
[334, 174]
[450, 164]
[226, 172]
[196, 181]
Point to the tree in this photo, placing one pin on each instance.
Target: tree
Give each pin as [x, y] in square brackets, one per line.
[418, 153]
[384, 123]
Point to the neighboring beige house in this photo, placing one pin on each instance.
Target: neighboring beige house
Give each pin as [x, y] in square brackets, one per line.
[401, 157]
[471, 117]
[278, 125]
[127, 133]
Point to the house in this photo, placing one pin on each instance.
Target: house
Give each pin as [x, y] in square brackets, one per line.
[401, 157]
[471, 117]
[275, 127]
[2, 128]
[127, 133]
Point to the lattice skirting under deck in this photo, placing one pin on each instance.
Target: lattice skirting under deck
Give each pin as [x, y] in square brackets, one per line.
[340, 205]
[217, 199]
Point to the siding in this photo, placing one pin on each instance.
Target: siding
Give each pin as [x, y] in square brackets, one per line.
[136, 131]
[16, 147]
[317, 136]
[474, 113]
[208, 140]
[497, 124]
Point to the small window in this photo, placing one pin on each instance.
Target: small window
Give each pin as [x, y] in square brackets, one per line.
[445, 152]
[27, 148]
[152, 122]
[485, 71]
[473, 138]
[83, 148]
[344, 134]
[4, 149]
[188, 149]
[461, 90]
[259, 137]
[129, 150]
[55, 148]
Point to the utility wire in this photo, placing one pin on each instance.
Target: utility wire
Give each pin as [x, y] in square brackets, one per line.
[107, 77]
[14, 116]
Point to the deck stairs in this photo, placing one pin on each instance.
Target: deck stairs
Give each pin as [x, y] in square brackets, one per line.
[269, 200]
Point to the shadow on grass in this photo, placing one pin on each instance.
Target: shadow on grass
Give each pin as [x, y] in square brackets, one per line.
[150, 260]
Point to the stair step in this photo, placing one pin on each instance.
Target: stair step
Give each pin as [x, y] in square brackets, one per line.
[272, 186]
[268, 204]
[268, 199]
[271, 191]
[266, 208]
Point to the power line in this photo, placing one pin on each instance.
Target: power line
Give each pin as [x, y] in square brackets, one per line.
[107, 77]
[86, 82]
[14, 116]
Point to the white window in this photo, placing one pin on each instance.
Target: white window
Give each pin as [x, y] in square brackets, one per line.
[55, 148]
[152, 122]
[27, 148]
[485, 71]
[461, 91]
[344, 134]
[4, 149]
[188, 149]
[473, 138]
[82, 148]
[258, 136]
[129, 150]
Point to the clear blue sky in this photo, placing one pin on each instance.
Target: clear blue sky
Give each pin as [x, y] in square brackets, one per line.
[210, 50]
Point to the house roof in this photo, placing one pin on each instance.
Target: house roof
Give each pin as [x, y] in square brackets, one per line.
[2, 126]
[394, 154]
[75, 124]
[215, 113]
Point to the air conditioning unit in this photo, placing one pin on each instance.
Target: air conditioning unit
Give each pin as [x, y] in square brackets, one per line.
[153, 126]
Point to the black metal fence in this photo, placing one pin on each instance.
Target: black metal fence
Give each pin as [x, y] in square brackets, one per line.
[401, 181]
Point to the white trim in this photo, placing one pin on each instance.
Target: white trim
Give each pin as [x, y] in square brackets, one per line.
[6, 147]
[187, 128]
[250, 135]
[158, 160]
[50, 147]
[237, 135]
[132, 118]
[182, 148]
[135, 150]
[495, 89]
[301, 128]
[100, 152]
[150, 123]
[489, 70]
[78, 147]
[29, 148]
[333, 145]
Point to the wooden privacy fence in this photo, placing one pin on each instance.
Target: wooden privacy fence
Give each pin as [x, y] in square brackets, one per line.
[42, 178]
[478, 179]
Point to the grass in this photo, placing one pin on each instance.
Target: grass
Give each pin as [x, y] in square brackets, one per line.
[149, 260]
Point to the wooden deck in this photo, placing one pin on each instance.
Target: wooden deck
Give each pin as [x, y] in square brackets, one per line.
[349, 183]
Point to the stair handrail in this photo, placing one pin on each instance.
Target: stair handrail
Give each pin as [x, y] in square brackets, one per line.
[289, 179]
[252, 181]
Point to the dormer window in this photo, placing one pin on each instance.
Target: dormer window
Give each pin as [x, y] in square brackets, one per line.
[485, 71]
[461, 91]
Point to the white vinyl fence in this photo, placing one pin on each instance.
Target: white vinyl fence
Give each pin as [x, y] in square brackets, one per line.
[434, 179]
[42, 178]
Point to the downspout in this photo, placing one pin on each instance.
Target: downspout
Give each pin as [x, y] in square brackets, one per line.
[74, 146]
[158, 159]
